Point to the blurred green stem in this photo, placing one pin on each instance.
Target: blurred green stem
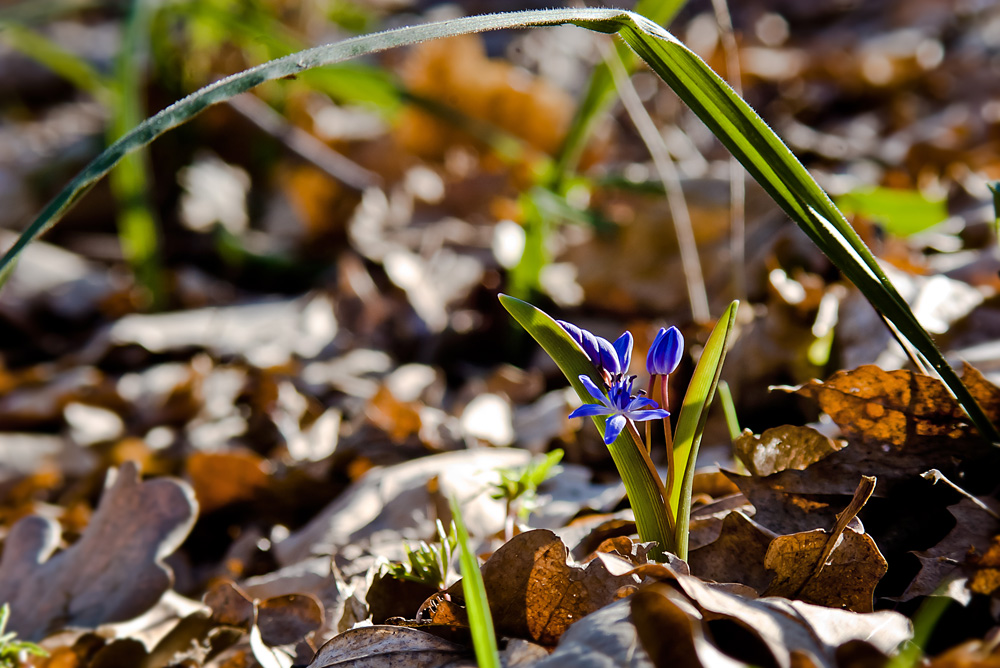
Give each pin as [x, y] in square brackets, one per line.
[130, 181]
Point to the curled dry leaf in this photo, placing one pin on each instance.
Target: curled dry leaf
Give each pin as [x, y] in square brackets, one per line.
[114, 572]
[839, 568]
[783, 448]
[781, 632]
[386, 646]
[534, 593]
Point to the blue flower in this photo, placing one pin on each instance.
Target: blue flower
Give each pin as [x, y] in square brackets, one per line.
[619, 404]
[665, 352]
[611, 360]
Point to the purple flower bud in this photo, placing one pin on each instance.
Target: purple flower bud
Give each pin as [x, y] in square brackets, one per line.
[585, 339]
[665, 353]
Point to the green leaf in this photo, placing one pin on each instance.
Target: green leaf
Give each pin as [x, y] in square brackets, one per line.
[691, 423]
[484, 639]
[901, 212]
[642, 482]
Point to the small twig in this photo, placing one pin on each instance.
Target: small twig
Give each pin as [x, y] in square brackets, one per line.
[303, 144]
[861, 495]
[667, 171]
[936, 476]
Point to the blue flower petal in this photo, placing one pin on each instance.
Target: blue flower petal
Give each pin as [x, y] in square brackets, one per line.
[623, 347]
[593, 389]
[613, 427]
[641, 402]
[591, 410]
[591, 347]
[608, 356]
[651, 414]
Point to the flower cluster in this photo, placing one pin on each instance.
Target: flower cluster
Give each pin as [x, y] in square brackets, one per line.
[612, 361]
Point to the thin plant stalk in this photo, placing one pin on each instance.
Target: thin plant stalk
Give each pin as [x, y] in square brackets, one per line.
[667, 172]
[737, 187]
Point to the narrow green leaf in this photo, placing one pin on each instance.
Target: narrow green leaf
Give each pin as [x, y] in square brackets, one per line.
[774, 166]
[691, 423]
[642, 482]
[484, 639]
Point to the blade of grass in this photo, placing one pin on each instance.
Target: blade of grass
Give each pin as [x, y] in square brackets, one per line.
[740, 129]
[691, 424]
[484, 639]
[642, 482]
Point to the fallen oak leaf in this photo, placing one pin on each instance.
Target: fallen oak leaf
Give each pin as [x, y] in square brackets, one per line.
[113, 573]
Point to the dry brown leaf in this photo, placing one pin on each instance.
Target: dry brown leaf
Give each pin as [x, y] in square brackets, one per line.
[782, 448]
[846, 581]
[282, 620]
[790, 633]
[535, 594]
[387, 646]
[288, 619]
[890, 407]
[398, 419]
[604, 639]
[737, 555]
[668, 630]
[972, 654]
[114, 572]
[458, 72]
[222, 478]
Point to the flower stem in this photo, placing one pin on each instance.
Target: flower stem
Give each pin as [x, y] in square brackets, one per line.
[668, 437]
[649, 423]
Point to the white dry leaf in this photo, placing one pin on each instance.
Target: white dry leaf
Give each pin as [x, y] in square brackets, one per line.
[488, 418]
[214, 192]
[396, 498]
[266, 333]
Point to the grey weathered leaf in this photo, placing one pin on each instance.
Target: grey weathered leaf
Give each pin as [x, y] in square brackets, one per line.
[113, 573]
